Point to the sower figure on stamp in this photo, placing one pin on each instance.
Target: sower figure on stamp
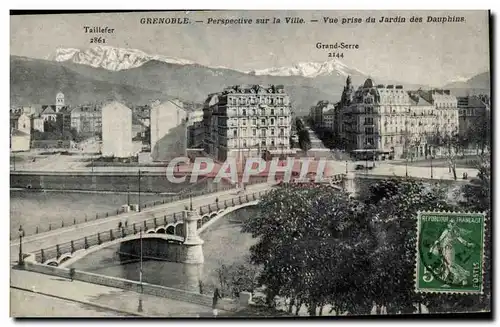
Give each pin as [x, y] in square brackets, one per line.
[451, 271]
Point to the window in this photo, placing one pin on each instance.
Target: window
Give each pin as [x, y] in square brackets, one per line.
[368, 120]
[272, 142]
[254, 132]
[272, 131]
[244, 112]
[263, 121]
[272, 112]
[272, 122]
[282, 132]
[281, 111]
[244, 122]
[281, 120]
[263, 142]
[254, 122]
[235, 133]
[263, 133]
[253, 112]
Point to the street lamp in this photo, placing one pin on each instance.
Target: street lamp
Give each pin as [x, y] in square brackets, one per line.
[432, 174]
[139, 308]
[139, 179]
[21, 257]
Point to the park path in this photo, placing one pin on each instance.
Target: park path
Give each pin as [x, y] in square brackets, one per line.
[105, 298]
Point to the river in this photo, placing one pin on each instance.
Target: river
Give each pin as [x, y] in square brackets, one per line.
[224, 244]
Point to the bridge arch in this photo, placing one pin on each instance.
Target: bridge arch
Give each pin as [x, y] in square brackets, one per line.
[170, 230]
[179, 229]
[67, 259]
[208, 220]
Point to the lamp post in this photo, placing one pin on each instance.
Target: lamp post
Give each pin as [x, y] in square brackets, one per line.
[139, 308]
[21, 257]
[139, 180]
[346, 167]
[432, 173]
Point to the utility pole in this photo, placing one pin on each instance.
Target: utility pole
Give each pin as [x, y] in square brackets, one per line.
[139, 308]
[432, 173]
[139, 177]
[21, 257]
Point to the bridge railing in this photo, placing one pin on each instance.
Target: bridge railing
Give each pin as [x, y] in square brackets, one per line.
[59, 250]
[66, 222]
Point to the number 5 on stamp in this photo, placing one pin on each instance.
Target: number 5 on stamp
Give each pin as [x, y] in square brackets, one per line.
[450, 252]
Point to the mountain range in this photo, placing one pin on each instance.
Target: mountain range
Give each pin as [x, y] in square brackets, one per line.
[132, 76]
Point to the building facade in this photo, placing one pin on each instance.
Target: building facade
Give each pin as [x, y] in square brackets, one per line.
[246, 120]
[196, 131]
[116, 130]
[472, 110]
[394, 122]
[322, 115]
[87, 119]
[168, 130]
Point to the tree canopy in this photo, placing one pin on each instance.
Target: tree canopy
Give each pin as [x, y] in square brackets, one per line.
[318, 246]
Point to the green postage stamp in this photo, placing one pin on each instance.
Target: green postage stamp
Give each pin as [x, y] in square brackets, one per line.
[450, 252]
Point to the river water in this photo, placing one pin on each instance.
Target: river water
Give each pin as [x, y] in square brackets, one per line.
[224, 244]
[39, 208]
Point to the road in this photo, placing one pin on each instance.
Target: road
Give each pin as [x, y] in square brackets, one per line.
[62, 235]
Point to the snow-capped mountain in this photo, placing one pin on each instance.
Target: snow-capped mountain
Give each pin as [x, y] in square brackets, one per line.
[459, 79]
[116, 59]
[112, 58]
[310, 69]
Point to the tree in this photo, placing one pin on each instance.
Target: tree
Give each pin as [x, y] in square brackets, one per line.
[304, 140]
[310, 244]
[238, 277]
[317, 249]
[394, 209]
[407, 147]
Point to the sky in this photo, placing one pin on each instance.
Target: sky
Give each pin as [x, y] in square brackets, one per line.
[424, 53]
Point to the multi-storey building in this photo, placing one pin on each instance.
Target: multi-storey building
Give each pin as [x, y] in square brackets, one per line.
[87, 119]
[393, 122]
[116, 130]
[246, 121]
[196, 131]
[472, 111]
[446, 110]
[168, 130]
[322, 114]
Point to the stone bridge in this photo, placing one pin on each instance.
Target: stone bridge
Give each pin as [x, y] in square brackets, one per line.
[181, 228]
[172, 229]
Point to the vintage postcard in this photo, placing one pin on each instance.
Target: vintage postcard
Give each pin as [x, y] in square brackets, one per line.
[250, 163]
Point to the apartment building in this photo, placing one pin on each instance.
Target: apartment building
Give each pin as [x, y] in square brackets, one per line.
[246, 120]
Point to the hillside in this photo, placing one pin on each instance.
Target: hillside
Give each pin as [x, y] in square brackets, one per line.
[37, 81]
[479, 84]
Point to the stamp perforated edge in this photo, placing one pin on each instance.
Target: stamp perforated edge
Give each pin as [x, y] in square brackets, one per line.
[417, 261]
